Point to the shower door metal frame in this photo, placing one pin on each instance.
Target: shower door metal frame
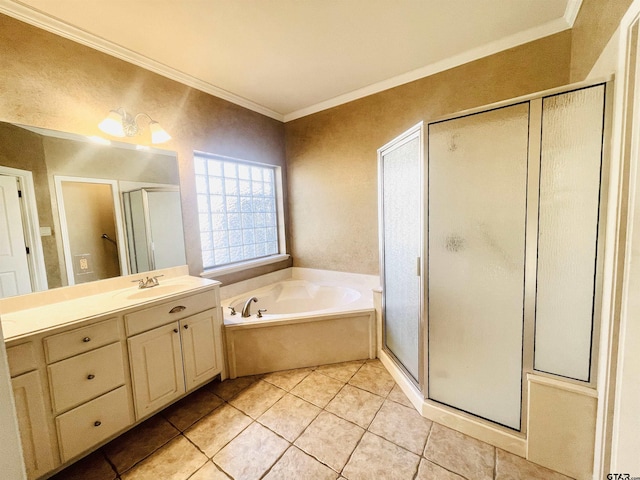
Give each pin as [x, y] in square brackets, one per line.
[531, 235]
[417, 131]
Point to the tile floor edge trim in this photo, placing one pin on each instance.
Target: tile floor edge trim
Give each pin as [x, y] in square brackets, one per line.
[509, 442]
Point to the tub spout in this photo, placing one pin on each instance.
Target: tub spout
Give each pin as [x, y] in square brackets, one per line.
[246, 310]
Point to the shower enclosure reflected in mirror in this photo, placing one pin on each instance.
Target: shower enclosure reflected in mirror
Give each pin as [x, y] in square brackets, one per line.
[57, 228]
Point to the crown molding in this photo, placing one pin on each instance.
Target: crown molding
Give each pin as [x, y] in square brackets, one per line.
[549, 28]
[571, 12]
[38, 19]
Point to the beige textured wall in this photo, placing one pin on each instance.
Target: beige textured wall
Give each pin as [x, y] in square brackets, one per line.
[51, 82]
[331, 155]
[596, 23]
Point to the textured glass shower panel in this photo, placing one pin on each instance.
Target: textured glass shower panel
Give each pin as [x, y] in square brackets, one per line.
[570, 167]
[477, 215]
[401, 216]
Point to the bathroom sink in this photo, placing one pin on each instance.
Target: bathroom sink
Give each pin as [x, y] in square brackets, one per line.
[158, 291]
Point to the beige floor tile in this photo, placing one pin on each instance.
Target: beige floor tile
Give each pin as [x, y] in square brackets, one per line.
[317, 389]
[230, 388]
[177, 460]
[356, 405]
[373, 378]
[398, 396]
[341, 371]
[257, 399]
[289, 416]
[401, 425]
[512, 467]
[93, 466]
[431, 471]
[295, 464]
[192, 408]
[209, 472]
[140, 442]
[377, 458]
[252, 453]
[217, 429]
[459, 453]
[374, 362]
[330, 439]
[287, 379]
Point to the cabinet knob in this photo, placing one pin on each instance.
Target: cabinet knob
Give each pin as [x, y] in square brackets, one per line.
[175, 330]
[91, 376]
[177, 309]
[86, 339]
[186, 326]
[97, 423]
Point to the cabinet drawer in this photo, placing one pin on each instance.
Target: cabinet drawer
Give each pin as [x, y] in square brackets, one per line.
[22, 359]
[91, 423]
[83, 377]
[168, 312]
[80, 340]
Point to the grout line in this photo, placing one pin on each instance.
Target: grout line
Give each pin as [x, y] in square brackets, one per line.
[108, 460]
[199, 468]
[277, 459]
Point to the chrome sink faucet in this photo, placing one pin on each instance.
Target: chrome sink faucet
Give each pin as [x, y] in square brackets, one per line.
[148, 282]
[246, 310]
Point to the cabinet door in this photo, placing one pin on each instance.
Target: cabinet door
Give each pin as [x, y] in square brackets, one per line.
[32, 422]
[198, 345]
[156, 368]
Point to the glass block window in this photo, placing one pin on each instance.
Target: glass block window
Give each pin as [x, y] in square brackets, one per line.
[236, 209]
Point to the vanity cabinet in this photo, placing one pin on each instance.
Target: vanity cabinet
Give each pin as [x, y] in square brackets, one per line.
[175, 357]
[87, 369]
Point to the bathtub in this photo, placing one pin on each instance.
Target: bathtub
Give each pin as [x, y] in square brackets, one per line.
[312, 317]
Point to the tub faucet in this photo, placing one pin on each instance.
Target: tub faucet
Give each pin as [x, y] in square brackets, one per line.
[246, 310]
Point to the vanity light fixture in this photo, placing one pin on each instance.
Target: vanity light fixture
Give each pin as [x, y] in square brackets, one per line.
[119, 123]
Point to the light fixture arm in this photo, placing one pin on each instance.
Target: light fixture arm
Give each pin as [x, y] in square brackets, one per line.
[151, 120]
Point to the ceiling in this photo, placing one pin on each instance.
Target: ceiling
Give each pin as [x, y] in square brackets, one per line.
[290, 58]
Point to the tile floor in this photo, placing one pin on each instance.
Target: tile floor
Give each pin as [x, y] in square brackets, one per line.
[346, 421]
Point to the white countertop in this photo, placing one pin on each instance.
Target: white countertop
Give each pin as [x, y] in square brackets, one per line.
[31, 320]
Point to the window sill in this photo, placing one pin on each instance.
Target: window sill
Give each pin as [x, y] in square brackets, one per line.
[239, 267]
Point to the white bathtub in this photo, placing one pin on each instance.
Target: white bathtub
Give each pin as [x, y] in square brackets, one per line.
[313, 317]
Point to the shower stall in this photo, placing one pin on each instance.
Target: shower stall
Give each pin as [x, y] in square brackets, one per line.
[491, 254]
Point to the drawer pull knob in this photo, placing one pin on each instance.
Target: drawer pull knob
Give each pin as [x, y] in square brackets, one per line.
[186, 326]
[86, 339]
[91, 376]
[175, 330]
[97, 423]
[177, 309]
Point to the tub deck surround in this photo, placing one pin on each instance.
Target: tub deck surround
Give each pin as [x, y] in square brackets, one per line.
[313, 317]
[28, 314]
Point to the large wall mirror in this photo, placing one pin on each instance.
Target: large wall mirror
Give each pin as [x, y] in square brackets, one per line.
[73, 210]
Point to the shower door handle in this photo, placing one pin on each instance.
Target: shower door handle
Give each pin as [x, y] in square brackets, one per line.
[418, 273]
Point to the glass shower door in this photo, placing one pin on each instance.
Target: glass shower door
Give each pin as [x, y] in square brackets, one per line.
[477, 184]
[400, 171]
